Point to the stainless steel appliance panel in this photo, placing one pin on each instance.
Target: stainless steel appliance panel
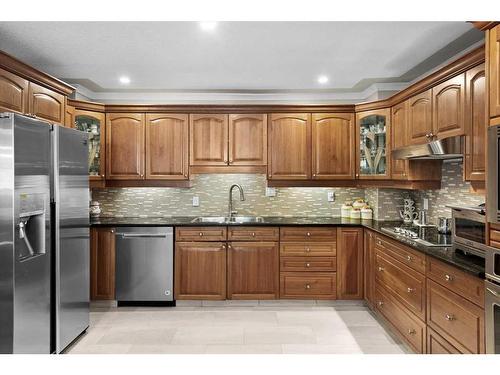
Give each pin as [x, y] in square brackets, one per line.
[469, 230]
[25, 235]
[493, 209]
[72, 263]
[492, 264]
[492, 307]
[144, 264]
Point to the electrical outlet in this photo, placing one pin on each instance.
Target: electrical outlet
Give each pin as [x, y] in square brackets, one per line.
[270, 192]
[331, 196]
[426, 204]
[196, 201]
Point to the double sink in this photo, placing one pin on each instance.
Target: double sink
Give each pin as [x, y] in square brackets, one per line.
[228, 220]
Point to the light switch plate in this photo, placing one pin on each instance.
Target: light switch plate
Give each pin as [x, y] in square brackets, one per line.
[331, 196]
[270, 192]
[196, 201]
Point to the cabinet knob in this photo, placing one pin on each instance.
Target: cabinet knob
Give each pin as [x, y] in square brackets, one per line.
[380, 269]
[201, 234]
[380, 303]
[308, 265]
[314, 174]
[448, 278]
[379, 242]
[102, 176]
[411, 331]
[223, 247]
[229, 246]
[357, 174]
[410, 290]
[449, 317]
[308, 249]
[142, 175]
[112, 231]
[307, 286]
[253, 234]
[308, 234]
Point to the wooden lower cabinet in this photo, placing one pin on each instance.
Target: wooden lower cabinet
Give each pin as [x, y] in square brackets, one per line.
[102, 264]
[252, 270]
[438, 345]
[308, 285]
[350, 263]
[406, 325]
[200, 270]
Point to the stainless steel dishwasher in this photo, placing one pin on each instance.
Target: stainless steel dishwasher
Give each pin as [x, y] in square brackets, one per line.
[144, 265]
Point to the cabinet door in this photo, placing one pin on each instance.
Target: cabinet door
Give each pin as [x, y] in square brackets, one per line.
[399, 138]
[248, 139]
[333, 151]
[448, 103]
[167, 146]
[200, 270]
[102, 263]
[420, 117]
[369, 267]
[475, 124]
[46, 104]
[493, 44]
[94, 124]
[350, 263]
[125, 146]
[253, 270]
[13, 92]
[373, 140]
[289, 146]
[69, 119]
[208, 139]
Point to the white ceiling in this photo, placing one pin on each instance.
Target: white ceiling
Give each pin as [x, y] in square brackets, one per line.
[257, 58]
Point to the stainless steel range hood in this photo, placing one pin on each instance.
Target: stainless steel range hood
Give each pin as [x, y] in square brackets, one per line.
[441, 149]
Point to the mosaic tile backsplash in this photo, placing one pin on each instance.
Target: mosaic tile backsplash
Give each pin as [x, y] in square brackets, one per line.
[212, 190]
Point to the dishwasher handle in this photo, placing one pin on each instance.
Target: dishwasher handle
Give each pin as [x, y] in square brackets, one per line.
[142, 235]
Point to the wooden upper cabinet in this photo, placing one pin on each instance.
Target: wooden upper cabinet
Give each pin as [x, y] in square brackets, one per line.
[493, 51]
[125, 146]
[399, 138]
[448, 104]
[46, 104]
[69, 119]
[476, 120]
[167, 146]
[208, 140]
[333, 154]
[13, 92]
[420, 117]
[289, 146]
[93, 123]
[248, 139]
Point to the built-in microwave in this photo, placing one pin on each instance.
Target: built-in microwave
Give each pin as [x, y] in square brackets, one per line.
[493, 174]
[469, 229]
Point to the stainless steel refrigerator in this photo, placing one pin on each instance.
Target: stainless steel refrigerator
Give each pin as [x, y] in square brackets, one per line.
[44, 235]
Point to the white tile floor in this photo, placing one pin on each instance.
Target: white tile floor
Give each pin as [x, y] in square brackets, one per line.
[253, 327]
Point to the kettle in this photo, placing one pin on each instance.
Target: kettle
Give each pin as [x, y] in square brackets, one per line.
[444, 225]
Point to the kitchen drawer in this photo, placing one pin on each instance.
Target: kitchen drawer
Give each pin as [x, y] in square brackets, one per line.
[253, 234]
[301, 264]
[411, 329]
[458, 281]
[459, 321]
[322, 234]
[407, 285]
[304, 285]
[309, 249]
[495, 238]
[438, 345]
[404, 254]
[200, 234]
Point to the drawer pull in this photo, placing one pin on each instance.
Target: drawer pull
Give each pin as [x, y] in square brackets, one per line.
[307, 286]
[308, 249]
[228, 246]
[223, 247]
[253, 234]
[411, 331]
[408, 258]
[308, 234]
[410, 290]
[448, 278]
[449, 317]
[308, 265]
[380, 303]
[201, 234]
[380, 269]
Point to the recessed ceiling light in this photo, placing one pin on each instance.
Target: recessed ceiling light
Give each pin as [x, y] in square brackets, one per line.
[322, 79]
[208, 26]
[124, 80]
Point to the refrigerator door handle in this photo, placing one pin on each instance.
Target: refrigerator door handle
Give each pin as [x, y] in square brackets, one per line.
[23, 236]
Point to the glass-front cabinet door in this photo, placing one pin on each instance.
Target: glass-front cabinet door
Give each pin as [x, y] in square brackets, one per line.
[93, 123]
[372, 143]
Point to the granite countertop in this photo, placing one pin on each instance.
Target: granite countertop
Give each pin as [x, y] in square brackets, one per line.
[470, 264]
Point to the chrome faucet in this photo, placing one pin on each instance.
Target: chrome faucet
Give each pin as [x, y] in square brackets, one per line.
[242, 198]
